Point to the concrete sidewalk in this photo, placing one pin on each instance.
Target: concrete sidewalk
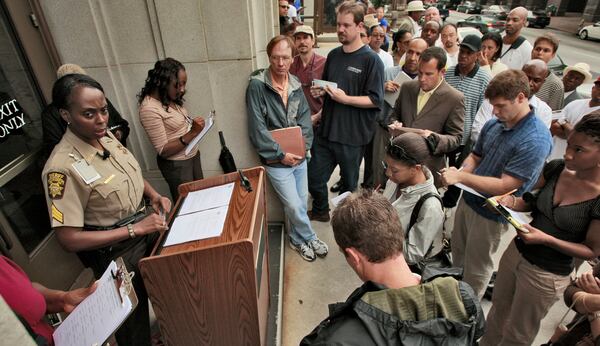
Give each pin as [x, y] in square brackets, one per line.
[568, 23]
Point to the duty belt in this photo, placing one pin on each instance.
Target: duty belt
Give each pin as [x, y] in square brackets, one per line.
[138, 215]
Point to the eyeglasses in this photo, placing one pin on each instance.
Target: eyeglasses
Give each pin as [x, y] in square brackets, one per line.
[280, 58]
[284, 6]
[378, 35]
[398, 153]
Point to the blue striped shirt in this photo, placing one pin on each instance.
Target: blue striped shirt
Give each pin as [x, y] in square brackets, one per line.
[473, 86]
[519, 151]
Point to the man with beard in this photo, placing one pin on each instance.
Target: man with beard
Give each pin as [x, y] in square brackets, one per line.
[516, 50]
[307, 66]
[349, 110]
[450, 43]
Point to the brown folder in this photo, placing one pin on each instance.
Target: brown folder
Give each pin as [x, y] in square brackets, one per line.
[290, 140]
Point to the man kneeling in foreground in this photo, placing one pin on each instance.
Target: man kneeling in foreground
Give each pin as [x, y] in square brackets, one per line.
[393, 306]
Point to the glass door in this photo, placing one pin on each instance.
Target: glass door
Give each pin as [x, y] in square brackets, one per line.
[25, 233]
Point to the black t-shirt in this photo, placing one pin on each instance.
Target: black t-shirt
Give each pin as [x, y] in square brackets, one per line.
[359, 73]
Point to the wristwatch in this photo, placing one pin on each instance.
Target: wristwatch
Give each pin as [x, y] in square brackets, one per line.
[592, 316]
[131, 231]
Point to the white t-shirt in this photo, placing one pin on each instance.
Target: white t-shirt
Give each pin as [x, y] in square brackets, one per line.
[485, 113]
[388, 60]
[573, 112]
[516, 58]
[452, 58]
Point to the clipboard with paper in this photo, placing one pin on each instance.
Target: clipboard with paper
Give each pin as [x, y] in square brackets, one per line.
[98, 316]
[390, 97]
[210, 121]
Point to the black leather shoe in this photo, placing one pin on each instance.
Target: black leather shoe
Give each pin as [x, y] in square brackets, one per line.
[323, 216]
[336, 187]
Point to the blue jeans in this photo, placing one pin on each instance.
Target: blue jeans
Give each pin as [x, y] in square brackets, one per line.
[291, 185]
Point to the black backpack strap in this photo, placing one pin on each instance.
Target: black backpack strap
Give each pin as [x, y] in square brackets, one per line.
[518, 42]
[417, 209]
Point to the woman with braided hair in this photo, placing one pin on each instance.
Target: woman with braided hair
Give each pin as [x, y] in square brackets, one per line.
[168, 124]
[535, 269]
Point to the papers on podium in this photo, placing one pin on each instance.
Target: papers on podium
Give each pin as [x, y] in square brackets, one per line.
[210, 121]
[99, 315]
[202, 215]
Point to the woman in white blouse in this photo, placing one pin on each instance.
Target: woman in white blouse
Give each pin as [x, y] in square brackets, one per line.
[491, 48]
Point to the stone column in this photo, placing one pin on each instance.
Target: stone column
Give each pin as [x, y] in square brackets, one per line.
[592, 11]
[220, 42]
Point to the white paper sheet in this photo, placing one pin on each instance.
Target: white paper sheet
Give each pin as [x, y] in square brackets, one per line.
[468, 189]
[390, 97]
[213, 197]
[338, 199]
[207, 126]
[95, 318]
[199, 225]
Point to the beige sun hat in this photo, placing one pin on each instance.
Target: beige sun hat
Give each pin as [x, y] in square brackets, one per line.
[305, 29]
[415, 6]
[582, 68]
[370, 21]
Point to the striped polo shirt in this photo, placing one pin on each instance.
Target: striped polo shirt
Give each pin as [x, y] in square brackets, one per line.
[473, 86]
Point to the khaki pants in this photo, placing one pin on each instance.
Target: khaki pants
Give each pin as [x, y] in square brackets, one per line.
[523, 294]
[474, 240]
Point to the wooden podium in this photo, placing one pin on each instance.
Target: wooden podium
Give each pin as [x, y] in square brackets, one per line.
[215, 291]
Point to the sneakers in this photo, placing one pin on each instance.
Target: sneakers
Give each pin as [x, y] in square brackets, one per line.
[305, 251]
[319, 247]
[309, 251]
[323, 216]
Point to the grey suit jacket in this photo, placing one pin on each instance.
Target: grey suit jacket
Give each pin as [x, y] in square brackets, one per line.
[443, 114]
[575, 95]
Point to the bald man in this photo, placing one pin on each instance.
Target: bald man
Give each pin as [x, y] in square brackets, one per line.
[516, 50]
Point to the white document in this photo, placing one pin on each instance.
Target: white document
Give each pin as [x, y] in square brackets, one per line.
[210, 120]
[323, 83]
[210, 198]
[200, 225]
[559, 115]
[522, 218]
[338, 199]
[468, 189]
[390, 97]
[97, 317]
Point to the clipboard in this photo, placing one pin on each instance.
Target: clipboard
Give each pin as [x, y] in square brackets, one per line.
[513, 217]
[99, 315]
[210, 121]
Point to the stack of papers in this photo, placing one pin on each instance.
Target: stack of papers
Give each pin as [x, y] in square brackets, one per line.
[202, 215]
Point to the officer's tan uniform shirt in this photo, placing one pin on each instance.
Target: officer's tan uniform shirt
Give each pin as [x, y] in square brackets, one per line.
[114, 196]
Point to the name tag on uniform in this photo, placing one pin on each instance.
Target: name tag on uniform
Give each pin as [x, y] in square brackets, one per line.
[87, 172]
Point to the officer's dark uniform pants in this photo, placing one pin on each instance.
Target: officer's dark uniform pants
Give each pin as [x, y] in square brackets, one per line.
[177, 172]
[136, 329]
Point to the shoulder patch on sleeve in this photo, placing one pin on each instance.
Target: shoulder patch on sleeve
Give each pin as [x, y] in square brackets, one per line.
[57, 214]
[56, 184]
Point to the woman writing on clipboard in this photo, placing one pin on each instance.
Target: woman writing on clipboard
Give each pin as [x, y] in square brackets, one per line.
[168, 124]
[94, 193]
[535, 269]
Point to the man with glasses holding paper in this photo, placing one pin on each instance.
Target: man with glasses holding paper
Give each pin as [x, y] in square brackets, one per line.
[276, 103]
[349, 110]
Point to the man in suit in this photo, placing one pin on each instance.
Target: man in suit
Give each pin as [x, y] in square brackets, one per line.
[431, 108]
[573, 77]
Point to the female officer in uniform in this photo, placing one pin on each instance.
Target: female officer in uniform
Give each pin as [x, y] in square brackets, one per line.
[95, 194]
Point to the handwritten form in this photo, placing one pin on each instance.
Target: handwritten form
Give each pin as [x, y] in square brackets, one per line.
[97, 317]
[202, 215]
[207, 126]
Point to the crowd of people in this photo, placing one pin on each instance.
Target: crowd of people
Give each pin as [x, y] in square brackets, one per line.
[480, 113]
[441, 122]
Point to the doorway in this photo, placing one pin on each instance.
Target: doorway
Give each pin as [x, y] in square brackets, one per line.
[25, 233]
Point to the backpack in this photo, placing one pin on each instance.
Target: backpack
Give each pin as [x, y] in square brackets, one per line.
[442, 259]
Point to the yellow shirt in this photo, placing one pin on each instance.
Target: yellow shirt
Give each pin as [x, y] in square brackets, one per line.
[424, 96]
